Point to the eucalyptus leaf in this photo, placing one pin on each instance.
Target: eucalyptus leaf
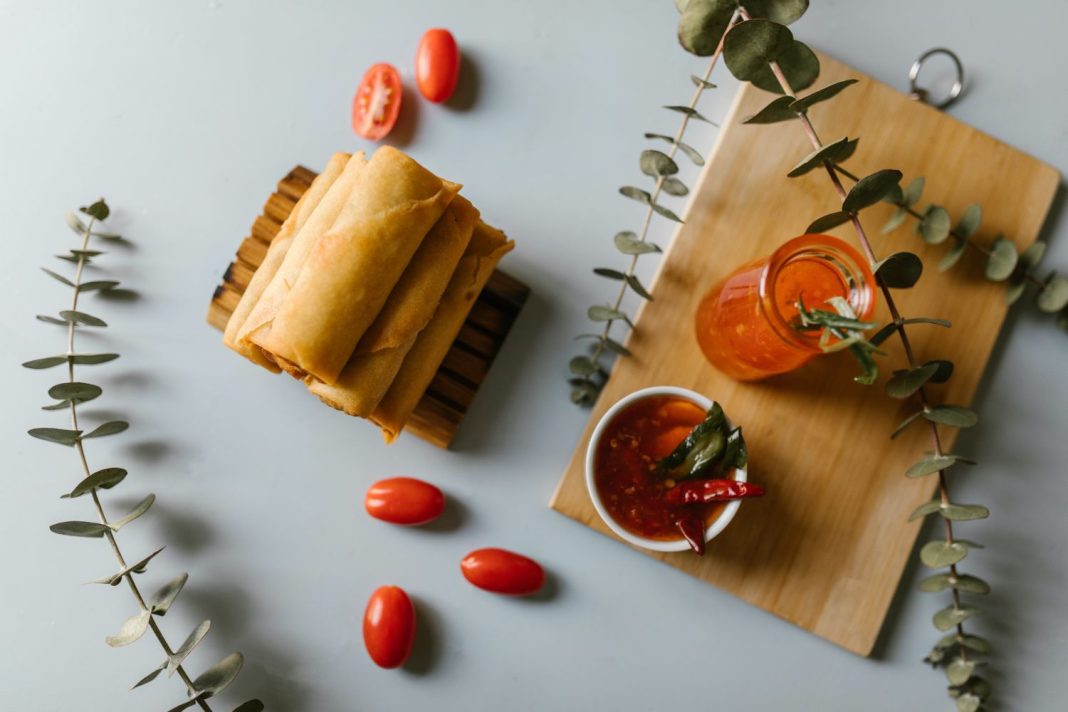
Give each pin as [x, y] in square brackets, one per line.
[913, 191]
[615, 347]
[828, 221]
[976, 643]
[950, 616]
[139, 509]
[132, 629]
[692, 153]
[958, 671]
[935, 463]
[1054, 294]
[51, 319]
[219, 676]
[952, 257]
[642, 196]
[583, 393]
[603, 313]
[934, 226]
[827, 92]
[92, 359]
[101, 479]
[250, 706]
[609, 273]
[955, 416]
[871, 189]
[900, 270]
[905, 424]
[634, 283]
[834, 152]
[46, 362]
[92, 530]
[1033, 254]
[752, 44]
[895, 220]
[674, 186]
[58, 277]
[582, 366]
[964, 512]
[77, 317]
[75, 223]
[970, 221]
[968, 702]
[778, 110]
[56, 435]
[798, 64]
[690, 112]
[75, 391]
[937, 554]
[109, 428]
[655, 163]
[924, 509]
[136, 568]
[628, 243]
[702, 24]
[935, 583]
[96, 286]
[961, 582]
[98, 210]
[148, 678]
[164, 597]
[1001, 262]
[188, 645]
[904, 383]
[661, 210]
[701, 82]
[784, 12]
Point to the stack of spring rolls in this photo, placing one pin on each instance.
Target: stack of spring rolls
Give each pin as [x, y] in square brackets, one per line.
[367, 284]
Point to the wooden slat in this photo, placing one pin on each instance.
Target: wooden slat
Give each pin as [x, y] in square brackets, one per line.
[826, 548]
[442, 408]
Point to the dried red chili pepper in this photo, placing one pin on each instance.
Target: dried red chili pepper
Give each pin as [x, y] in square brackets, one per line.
[692, 526]
[705, 491]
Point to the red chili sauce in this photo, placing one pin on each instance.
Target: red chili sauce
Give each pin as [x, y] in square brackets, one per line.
[624, 467]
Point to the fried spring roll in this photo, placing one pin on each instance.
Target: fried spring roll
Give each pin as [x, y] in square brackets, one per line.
[261, 318]
[354, 265]
[485, 250]
[276, 253]
[379, 354]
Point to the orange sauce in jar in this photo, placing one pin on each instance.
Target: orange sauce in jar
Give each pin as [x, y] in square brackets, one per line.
[745, 323]
[625, 473]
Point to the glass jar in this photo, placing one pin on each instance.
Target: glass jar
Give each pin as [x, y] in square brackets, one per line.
[746, 324]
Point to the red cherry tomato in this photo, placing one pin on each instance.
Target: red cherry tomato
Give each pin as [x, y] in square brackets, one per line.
[437, 65]
[389, 627]
[377, 102]
[404, 500]
[502, 571]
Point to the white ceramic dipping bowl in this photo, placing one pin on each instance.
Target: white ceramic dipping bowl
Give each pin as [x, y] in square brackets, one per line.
[718, 524]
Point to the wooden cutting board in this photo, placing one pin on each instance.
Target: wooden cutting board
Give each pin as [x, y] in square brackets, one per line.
[826, 548]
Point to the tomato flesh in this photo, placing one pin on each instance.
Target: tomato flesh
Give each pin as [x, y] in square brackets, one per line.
[377, 102]
[389, 627]
[404, 500]
[503, 571]
[437, 65]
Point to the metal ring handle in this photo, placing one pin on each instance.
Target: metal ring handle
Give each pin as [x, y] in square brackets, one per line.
[920, 94]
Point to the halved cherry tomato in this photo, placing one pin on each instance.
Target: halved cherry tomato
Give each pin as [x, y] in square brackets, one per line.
[377, 102]
[389, 627]
[437, 65]
[502, 571]
[404, 500]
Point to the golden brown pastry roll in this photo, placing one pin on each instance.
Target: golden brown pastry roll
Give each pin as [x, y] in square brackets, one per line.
[261, 317]
[263, 275]
[354, 265]
[380, 353]
[485, 250]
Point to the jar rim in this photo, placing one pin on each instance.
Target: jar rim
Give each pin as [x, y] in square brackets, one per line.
[843, 256]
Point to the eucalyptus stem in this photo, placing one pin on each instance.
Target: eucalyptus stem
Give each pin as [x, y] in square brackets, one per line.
[101, 515]
[866, 246]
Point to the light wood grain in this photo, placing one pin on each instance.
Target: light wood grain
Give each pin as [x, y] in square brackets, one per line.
[826, 548]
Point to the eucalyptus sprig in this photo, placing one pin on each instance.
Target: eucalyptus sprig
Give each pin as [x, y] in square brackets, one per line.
[69, 395]
[761, 47]
[701, 35]
[1002, 261]
[841, 329]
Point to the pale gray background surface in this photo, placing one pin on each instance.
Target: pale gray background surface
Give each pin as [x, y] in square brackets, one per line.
[184, 114]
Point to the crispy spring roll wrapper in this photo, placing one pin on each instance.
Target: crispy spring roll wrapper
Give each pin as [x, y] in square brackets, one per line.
[276, 253]
[487, 246]
[262, 314]
[379, 354]
[354, 265]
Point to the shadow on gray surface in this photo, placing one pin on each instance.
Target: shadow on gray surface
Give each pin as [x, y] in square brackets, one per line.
[465, 96]
[407, 126]
[427, 649]
[456, 514]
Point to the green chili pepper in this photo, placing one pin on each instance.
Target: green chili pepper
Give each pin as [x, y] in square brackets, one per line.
[707, 446]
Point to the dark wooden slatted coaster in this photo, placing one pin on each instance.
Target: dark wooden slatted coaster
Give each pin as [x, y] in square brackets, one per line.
[443, 406]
